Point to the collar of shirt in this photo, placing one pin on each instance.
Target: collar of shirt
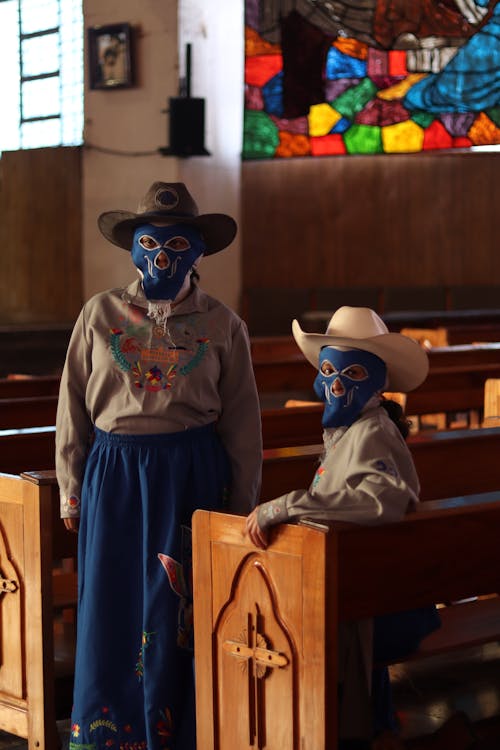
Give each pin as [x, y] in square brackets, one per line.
[196, 301]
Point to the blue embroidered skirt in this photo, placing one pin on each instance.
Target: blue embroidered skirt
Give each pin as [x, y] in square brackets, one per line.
[134, 681]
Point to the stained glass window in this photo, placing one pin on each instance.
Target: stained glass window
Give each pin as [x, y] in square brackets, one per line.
[325, 77]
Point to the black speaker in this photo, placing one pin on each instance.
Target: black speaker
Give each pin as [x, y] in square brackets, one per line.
[187, 126]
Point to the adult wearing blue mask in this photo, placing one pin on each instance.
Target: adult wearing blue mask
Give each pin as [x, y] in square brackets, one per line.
[366, 475]
[158, 415]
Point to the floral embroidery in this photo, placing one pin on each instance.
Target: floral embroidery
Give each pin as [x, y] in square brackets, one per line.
[180, 580]
[118, 356]
[72, 505]
[103, 727]
[103, 723]
[139, 667]
[318, 476]
[202, 348]
[153, 364]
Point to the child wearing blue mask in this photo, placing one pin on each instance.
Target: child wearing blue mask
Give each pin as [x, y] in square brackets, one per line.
[366, 475]
[158, 415]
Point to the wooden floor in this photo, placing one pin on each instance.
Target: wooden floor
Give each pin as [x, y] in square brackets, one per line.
[447, 703]
[450, 701]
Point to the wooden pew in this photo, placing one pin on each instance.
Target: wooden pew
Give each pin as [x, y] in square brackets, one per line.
[452, 370]
[446, 462]
[279, 365]
[31, 411]
[33, 385]
[284, 350]
[455, 462]
[450, 387]
[31, 446]
[267, 622]
[32, 539]
[455, 382]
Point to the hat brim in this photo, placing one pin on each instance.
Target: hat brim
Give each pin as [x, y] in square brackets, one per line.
[407, 363]
[218, 230]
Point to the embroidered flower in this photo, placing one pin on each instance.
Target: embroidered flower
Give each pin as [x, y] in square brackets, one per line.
[145, 642]
[318, 476]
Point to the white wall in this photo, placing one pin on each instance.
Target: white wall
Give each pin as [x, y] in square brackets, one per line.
[131, 121]
[215, 30]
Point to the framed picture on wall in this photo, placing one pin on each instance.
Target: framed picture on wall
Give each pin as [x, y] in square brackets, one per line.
[110, 56]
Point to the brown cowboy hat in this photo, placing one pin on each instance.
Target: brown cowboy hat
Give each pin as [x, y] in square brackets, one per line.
[169, 202]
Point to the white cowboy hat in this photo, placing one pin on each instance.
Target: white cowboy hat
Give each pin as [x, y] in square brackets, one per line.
[172, 203]
[361, 328]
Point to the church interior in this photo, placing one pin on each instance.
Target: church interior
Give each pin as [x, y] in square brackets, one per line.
[413, 236]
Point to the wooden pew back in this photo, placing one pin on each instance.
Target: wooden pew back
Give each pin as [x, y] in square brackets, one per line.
[32, 537]
[267, 622]
[29, 448]
[32, 411]
[457, 462]
[32, 385]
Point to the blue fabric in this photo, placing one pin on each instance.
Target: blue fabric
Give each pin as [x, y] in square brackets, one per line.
[164, 256]
[134, 665]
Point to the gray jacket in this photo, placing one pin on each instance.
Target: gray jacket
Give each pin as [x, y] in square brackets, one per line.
[366, 475]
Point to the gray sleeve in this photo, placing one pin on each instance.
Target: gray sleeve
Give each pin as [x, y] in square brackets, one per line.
[73, 425]
[376, 484]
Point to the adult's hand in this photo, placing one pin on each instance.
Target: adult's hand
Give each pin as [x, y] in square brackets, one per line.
[72, 524]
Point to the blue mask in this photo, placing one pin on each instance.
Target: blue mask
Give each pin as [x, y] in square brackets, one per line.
[164, 256]
[346, 381]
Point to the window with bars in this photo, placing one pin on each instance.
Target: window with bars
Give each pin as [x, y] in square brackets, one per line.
[41, 73]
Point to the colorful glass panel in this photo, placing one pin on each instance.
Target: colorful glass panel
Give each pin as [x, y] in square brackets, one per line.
[387, 77]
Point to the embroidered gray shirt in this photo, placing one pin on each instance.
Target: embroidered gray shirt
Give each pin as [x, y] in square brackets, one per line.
[126, 374]
[366, 475]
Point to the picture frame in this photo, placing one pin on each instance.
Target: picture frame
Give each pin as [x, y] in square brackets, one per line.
[110, 56]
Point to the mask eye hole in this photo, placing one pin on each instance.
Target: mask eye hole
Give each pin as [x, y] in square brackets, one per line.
[179, 244]
[355, 372]
[148, 242]
[327, 368]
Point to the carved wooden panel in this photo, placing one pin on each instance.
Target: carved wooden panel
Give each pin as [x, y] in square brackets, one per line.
[12, 672]
[255, 666]
[260, 639]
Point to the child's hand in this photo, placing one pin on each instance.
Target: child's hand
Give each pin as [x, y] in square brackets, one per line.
[257, 535]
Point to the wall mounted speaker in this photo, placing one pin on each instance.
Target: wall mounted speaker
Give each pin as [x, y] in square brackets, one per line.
[187, 127]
